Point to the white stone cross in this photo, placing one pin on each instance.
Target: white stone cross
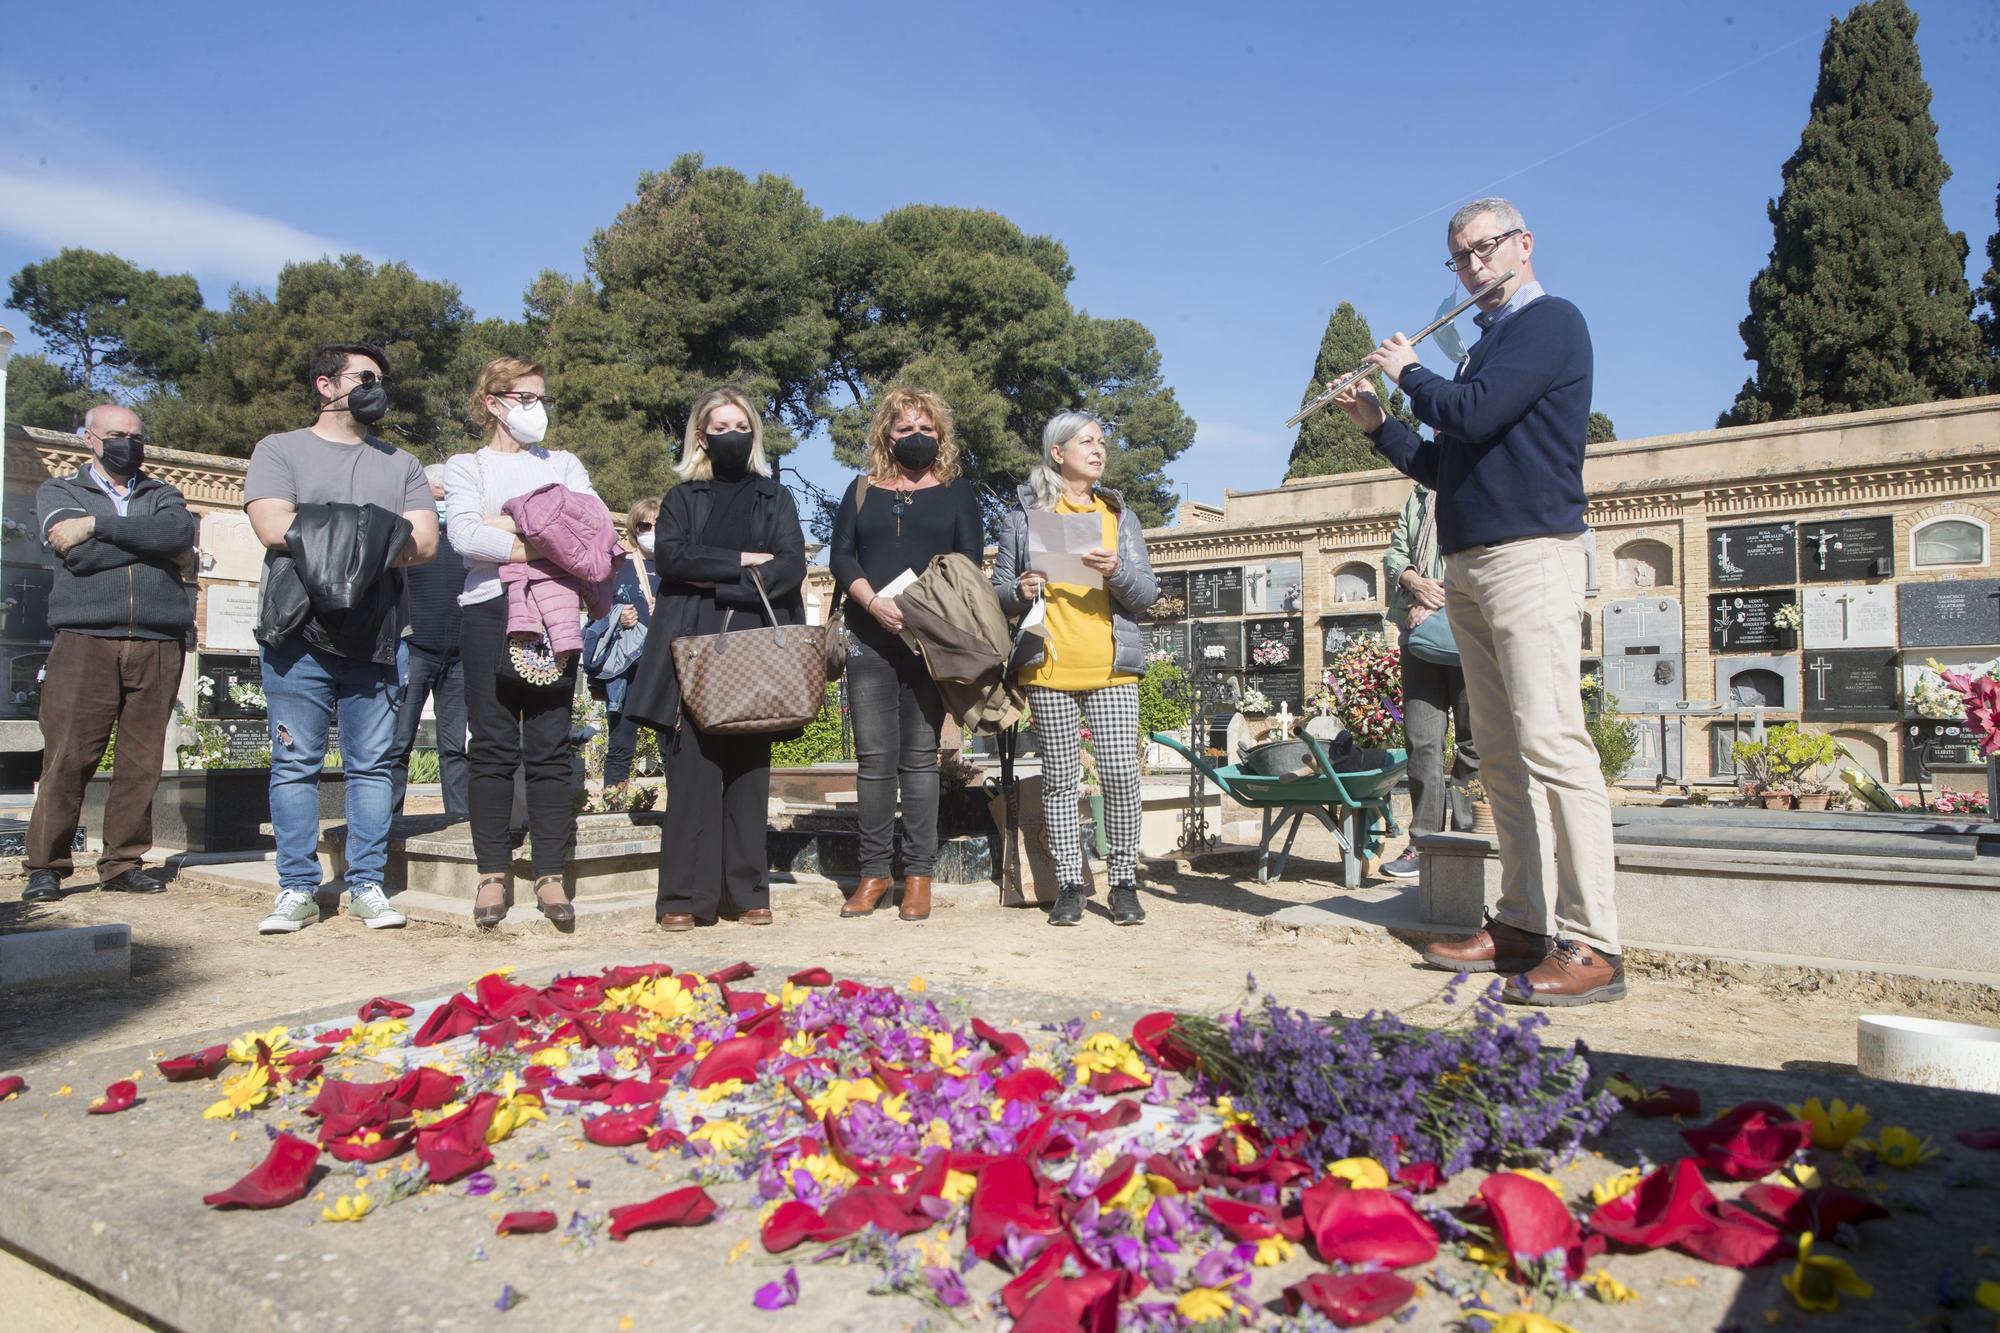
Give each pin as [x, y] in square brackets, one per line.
[1820, 668]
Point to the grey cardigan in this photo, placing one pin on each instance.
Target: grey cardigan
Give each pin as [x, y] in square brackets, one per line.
[1133, 588]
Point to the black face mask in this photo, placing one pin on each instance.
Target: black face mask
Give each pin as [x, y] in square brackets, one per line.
[123, 455]
[729, 454]
[366, 403]
[915, 452]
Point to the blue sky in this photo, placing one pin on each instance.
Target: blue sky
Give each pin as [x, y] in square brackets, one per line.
[1224, 173]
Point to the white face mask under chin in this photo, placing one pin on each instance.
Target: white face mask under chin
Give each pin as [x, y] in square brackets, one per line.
[646, 542]
[527, 424]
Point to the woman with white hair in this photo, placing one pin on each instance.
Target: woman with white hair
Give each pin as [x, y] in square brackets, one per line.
[726, 519]
[1085, 670]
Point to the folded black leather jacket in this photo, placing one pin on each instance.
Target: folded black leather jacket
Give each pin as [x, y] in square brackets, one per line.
[335, 585]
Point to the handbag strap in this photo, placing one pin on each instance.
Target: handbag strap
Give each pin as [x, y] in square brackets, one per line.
[645, 581]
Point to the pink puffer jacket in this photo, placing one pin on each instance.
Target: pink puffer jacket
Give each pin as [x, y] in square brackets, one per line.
[579, 546]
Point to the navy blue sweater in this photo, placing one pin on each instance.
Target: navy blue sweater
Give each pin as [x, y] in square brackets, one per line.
[1508, 459]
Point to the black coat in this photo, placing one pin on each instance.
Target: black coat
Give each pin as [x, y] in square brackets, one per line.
[335, 584]
[682, 559]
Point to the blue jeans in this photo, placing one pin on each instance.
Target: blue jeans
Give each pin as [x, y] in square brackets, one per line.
[303, 688]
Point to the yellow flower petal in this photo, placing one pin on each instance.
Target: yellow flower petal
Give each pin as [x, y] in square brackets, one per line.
[1272, 1251]
[1363, 1173]
[1203, 1304]
[1542, 1178]
[1609, 1289]
[1616, 1187]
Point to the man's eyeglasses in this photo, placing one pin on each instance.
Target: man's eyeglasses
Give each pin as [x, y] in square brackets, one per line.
[526, 399]
[1484, 249]
[362, 377]
[109, 436]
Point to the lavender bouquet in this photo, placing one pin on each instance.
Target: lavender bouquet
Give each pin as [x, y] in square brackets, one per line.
[1478, 1092]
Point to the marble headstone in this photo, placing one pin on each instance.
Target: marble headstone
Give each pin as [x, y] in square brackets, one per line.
[1848, 615]
[1746, 621]
[1957, 613]
[1644, 662]
[1752, 554]
[1856, 683]
[1847, 548]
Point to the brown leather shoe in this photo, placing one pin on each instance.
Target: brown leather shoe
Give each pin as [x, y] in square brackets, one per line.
[867, 894]
[756, 916]
[1573, 973]
[916, 898]
[677, 921]
[1498, 948]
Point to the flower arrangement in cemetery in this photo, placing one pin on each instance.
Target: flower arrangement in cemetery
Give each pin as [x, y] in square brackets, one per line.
[1931, 697]
[1253, 701]
[1979, 697]
[1269, 652]
[1363, 688]
[1183, 1174]
[1787, 616]
[1168, 608]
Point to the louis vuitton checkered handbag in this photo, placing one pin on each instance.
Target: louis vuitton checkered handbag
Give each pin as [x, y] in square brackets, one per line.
[745, 681]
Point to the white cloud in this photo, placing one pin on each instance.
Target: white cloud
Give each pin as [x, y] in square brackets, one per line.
[153, 226]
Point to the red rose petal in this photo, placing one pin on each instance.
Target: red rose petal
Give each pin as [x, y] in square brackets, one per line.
[633, 1092]
[1366, 1226]
[689, 1206]
[12, 1084]
[1026, 1085]
[1821, 1211]
[454, 1018]
[1153, 1036]
[1421, 1177]
[664, 1139]
[1670, 1204]
[118, 1097]
[204, 1063]
[871, 1205]
[1007, 1043]
[1738, 1238]
[737, 1057]
[811, 976]
[389, 1145]
[1750, 1142]
[379, 1008]
[1350, 1300]
[525, 1224]
[1667, 1100]
[619, 1129]
[1530, 1219]
[1980, 1140]
[425, 1089]
[1120, 1115]
[790, 1223]
[734, 972]
[1241, 1221]
[1111, 1082]
[1066, 1304]
[1007, 1192]
[456, 1145]
[615, 978]
[281, 1178]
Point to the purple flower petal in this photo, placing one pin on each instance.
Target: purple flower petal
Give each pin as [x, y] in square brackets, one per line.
[477, 1186]
[777, 1295]
[950, 1291]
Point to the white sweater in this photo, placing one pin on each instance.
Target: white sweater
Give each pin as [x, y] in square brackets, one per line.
[467, 506]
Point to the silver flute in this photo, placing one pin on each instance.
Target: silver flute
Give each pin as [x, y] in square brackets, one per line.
[1341, 386]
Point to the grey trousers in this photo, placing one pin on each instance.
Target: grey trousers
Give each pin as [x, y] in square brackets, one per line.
[1433, 694]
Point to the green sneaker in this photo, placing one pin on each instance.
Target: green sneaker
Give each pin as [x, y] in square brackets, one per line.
[370, 906]
[295, 910]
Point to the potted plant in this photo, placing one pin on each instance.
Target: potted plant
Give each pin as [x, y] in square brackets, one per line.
[1254, 703]
[1804, 760]
[1482, 809]
[1753, 769]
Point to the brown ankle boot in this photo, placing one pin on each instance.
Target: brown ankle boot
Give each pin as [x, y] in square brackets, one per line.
[867, 895]
[1498, 948]
[916, 898]
[1573, 973]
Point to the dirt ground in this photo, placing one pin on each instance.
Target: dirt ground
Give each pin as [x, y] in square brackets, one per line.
[1738, 1029]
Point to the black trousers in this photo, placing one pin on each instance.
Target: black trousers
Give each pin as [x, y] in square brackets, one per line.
[619, 746]
[897, 714]
[712, 852]
[514, 727]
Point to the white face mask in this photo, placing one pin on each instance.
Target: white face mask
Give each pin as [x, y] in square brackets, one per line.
[527, 424]
[646, 542]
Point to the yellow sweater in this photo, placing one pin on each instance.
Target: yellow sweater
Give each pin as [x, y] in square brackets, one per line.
[1078, 654]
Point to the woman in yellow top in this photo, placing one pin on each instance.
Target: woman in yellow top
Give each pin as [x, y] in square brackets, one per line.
[1084, 670]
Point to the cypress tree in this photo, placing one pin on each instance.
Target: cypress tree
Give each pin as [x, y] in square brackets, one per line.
[1989, 294]
[1328, 442]
[1864, 302]
[1600, 429]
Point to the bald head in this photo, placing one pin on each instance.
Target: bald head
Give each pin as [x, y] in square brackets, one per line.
[111, 419]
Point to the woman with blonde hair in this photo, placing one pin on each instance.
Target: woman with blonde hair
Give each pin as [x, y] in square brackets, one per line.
[1084, 671]
[727, 527]
[511, 723]
[910, 506]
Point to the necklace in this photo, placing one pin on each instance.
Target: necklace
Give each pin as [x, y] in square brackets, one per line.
[906, 498]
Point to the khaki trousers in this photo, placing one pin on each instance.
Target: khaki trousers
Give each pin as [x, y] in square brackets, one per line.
[1517, 611]
[91, 683]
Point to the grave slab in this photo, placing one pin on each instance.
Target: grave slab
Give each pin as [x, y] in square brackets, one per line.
[1848, 615]
[1954, 614]
[69, 956]
[1847, 548]
[1858, 685]
[1752, 554]
[1759, 680]
[1643, 662]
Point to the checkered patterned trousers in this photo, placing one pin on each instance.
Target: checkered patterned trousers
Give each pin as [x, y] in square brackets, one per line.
[1112, 714]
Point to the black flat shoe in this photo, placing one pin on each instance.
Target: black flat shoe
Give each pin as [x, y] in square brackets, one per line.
[43, 887]
[133, 881]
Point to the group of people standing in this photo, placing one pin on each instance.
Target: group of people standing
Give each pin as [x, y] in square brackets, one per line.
[468, 582]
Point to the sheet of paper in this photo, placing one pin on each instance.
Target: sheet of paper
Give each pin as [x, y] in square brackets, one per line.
[897, 584]
[1057, 544]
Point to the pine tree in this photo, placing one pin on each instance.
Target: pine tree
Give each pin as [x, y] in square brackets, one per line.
[1328, 442]
[1864, 302]
[1989, 295]
[1600, 429]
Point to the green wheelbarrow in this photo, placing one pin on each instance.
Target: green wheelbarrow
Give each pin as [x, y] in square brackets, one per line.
[1354, 807]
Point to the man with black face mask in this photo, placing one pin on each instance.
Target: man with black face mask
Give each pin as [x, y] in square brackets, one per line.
[123, 617]
[305, 485]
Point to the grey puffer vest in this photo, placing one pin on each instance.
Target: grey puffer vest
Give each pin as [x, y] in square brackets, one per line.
[1133, 588]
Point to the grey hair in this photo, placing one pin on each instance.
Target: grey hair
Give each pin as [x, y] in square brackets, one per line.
[1045, 481]
[1504, 213]
[90, 417]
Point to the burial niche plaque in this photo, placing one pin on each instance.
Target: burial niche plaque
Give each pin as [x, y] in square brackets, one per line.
[1275, 644]
[1215, 592]
[1929, 746]
[1850, 615]
[1847, 548]
[1227, 636]
[1277, 585]
[1752, 554]
[1857, 684]
[1171, 639]
[1960, 613]
[1336, 632]
[1173, 584]
[1280, 687]
[1746, 622]
[1644, 665]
